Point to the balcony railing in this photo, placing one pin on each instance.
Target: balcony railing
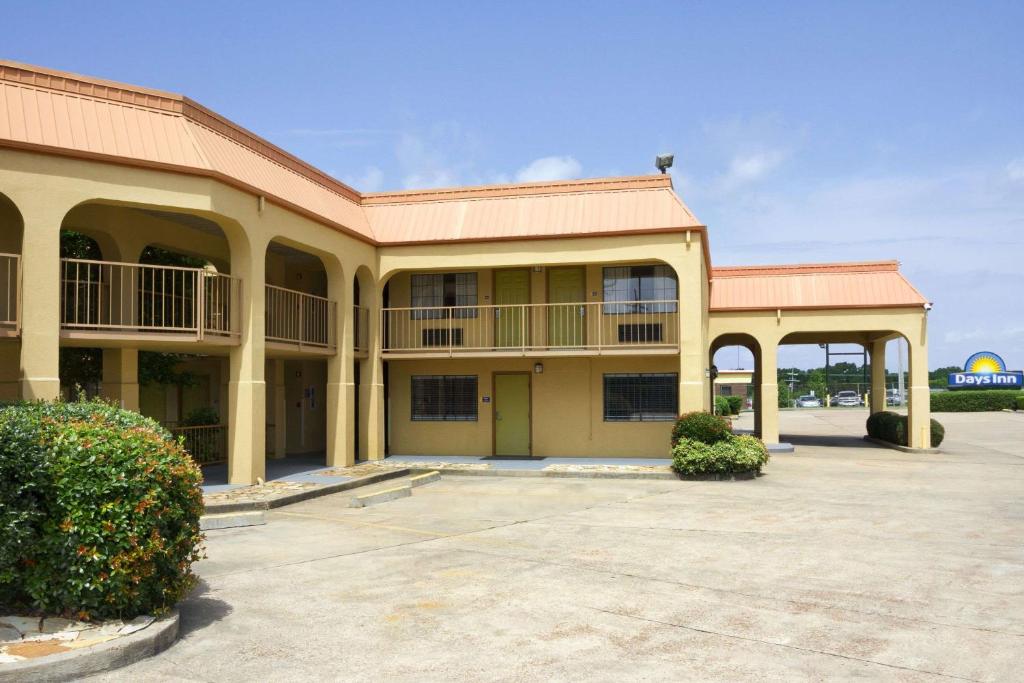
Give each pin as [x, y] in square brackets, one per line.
[301, 319]
[360, 329]
[533, 328]
[206, 444]
[10, 283]
[132, 298]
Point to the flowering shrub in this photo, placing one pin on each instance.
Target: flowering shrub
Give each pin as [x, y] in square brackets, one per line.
[736, 454]
[99, 509]
[700, 426]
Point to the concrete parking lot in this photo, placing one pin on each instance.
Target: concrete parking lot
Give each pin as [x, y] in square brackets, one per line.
[845, 560]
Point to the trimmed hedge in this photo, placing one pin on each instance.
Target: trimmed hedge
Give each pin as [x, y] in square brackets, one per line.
[99, 509]
[735, 404]
[892, 427]
[734, 455]
[973, 401]
[722, 406]
[1020, 402]
[700, 426]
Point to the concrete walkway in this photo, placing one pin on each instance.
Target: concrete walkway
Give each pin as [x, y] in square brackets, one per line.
[842, 561]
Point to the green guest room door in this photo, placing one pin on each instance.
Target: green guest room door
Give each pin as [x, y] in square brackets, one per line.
[511, 288]
[566, 322]
[512, 413]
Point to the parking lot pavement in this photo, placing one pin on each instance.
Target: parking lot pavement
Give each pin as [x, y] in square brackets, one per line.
[844, 560]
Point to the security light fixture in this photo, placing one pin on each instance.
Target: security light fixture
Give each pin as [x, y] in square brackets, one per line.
[538, 368]
[928, 306]
[664, 162]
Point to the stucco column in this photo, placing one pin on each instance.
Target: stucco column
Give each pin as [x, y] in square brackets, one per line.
[371, 387]
[121, 377]
[40, 298]
[280, 409]
[694, 384]
[919, 412]
[340, 391]
[247, 400]
[877, 376]
[769, 375]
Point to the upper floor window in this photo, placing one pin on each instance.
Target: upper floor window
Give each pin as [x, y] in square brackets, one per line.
[437, 292]
[640, 289]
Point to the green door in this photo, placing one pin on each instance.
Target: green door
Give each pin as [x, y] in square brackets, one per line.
[566, 324]
[512, 414]
[511, 287]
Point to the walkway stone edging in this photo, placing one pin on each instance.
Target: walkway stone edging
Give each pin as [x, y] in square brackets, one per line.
[565, 474]
[306, 494]
[904, 449]
[112, 654]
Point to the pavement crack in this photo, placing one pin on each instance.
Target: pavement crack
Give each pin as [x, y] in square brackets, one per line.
[773, 643]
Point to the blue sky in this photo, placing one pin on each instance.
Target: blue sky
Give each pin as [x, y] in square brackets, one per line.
[802, 131]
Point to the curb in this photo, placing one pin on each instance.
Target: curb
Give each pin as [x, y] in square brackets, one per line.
[112, 654]
[559, 474]
[384, 496]
[231, 520]
[902, 449]
[299, 496]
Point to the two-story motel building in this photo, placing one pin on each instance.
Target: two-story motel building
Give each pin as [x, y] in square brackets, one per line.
[571, 318]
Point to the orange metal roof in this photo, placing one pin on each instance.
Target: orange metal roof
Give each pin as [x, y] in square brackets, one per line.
[874, 284]
[63, 113]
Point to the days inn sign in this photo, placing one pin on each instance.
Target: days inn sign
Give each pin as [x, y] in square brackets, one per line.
[986, 369]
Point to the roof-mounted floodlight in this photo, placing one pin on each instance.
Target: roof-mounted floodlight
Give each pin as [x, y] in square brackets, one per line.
[664, 162]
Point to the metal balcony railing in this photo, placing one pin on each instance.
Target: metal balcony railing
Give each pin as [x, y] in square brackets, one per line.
[10, 295]
[360, 329]
[206, 444]
[562, 327]
[132, 298]
[301, 319]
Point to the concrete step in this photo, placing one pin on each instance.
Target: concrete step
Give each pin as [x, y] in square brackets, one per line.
[392, 490]
[230, 520]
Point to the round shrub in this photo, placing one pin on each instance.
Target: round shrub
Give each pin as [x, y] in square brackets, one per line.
[892, 427]
[722, 406]
[100, 511]
[938, 433]
[735, 404]
[733, 455]
[700, 426]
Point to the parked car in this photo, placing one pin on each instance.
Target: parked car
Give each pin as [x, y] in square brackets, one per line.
[893, 398]
[808, 401]
[847, 398]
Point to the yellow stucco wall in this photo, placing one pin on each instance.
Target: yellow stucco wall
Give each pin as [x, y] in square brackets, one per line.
[567, 409]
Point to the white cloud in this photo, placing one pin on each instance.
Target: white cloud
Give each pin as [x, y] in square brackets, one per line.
[1015, 170]
[371, 180]
[549, 168]
[748, 168]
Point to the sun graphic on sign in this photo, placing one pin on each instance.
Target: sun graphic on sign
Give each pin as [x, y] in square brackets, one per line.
[984, 362]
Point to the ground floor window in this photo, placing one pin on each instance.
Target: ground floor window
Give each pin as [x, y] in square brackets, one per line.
[636, 397]
[447, 398]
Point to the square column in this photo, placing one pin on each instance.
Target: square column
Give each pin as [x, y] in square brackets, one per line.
[877, 376]
[280, 404]
[247, 389]
[919, 412]
[768, 405]
[40, 315]
[121, 377]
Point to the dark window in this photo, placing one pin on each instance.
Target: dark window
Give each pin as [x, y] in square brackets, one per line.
[629, 289]
[437, 292]
[641, 397]
[639, 333]
[447, 398]
[726, 390]
[438, 336]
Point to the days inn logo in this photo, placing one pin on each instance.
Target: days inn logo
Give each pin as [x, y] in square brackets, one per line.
[986, 369]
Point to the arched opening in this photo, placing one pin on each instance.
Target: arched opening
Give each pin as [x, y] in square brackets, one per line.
[735, 360]
[362, 304]
[301, 336]
[11, 230]
[829, 382]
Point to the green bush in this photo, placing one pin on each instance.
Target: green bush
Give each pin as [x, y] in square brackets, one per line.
[201, 417]
[722, 406]
[735, 404]
[99, 509]
[733, 455]
[973, 401]
[892, 427]
[1020, 402]
[703, 427]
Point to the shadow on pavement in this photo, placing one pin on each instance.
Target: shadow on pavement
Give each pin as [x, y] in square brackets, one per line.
[827, 441]
[200, 610]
